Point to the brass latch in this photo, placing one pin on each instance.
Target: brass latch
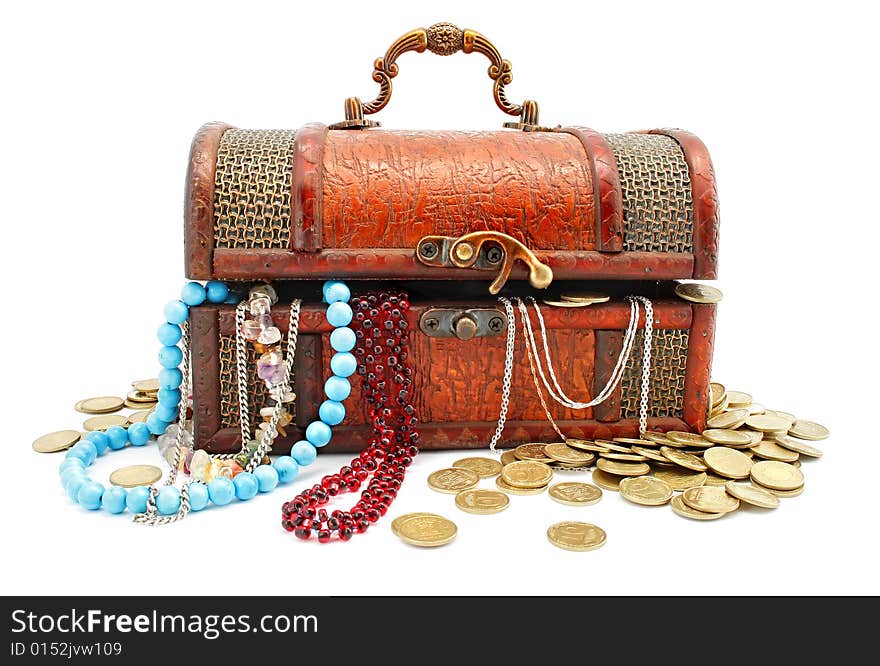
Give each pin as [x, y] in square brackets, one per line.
[485, 251]
[463, 323]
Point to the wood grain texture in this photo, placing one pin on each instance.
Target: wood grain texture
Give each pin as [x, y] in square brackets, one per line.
[699, 367]
[705, 197]
[204, 340]
[608, 347]
[389, 188]
[307, 193]
[606, 188]
[198, 210]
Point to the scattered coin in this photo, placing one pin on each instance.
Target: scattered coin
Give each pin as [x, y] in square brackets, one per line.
[508, 457]
[626, 457]
[755, 408]
[139, 416]
[563, 453]
[397, 522]
[427, 531]
[527, 474]
[135, 475]
[809, 430]
[715, 480]
[683, 459]
[104, 422]
[485, 468]
[575, 494]
[141, 398]
[623, 468]
[739, 399]
[788, 416]
[146, 385]
[585, 445]
[137, 406]
[585, 297]
[657, 437]
[728, 462]
[679, 478]
[717, 393]
[453, 480]
[56, 441]
[564, 304]
[650, 454]
[633, 441]
[698, 293]
[781, 493]
[777, 475]
[104, 404]
[767, 423]
[513, 490]
[728, 437]
[751, 494]
[710, 499]
[606, 480]
[646, 490]
[688, 438]
[572, 535]
[720, 408]
[798, 446]
[682, 509]
[770, 450]
[534, 452]
[613, 446]
[482, 502]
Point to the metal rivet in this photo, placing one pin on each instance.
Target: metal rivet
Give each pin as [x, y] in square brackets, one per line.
[428, 250]
[494, 255]
[496, 324]
[432, 324]
[464, 251]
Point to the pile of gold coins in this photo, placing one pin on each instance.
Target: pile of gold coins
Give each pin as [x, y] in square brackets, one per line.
[748, 454]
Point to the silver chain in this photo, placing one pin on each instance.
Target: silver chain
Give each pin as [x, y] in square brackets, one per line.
[646, 364]
[244, 417]
[508, 374]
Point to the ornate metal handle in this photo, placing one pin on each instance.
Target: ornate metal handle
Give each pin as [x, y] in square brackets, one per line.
[443, 39]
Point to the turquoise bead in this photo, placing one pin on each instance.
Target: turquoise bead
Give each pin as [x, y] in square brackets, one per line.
[118, 437]
[303, 453]
[138, 434]
[198, 496]
[136, 501]
[334, 291]
[193, 294]
[72, 473]
[286, 467]
[156, 425]
[176, 312]
[168, 500]
[318, 433]
[267, 477]
[341, 339]
[168, 396]
[89, 495]
[170, 378]
[170, 356]
[331, 412]
[221, 491]
[71, 463]
[167, 412]
[169, 334]
[343, 364]
[246, 485]
[113, 499]
[216, 291]
[339, 314]
[99, 439]
[337, 388]
[85, 451]
[73, 485]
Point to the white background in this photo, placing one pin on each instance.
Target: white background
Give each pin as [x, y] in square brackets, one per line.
[99, 104]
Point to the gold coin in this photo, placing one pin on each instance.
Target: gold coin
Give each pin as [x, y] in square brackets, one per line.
[623, 468]
[146, 385]
[755, 408]
[613, 446]
[798, 446]
[809, 430]
[729, 420]
[138, 397]
[683, 459]
[482, 502]
[104, 404]
[513, 490]
[770, 450]
[563, 304]
[135, 475]
[650, 454]
[767, 423]
[751, 494]
[585, 445]
[634, 441]
[718, 392]
[698, 293]
[572, 535]
[715, 480]
[527, 474]
[586, 297]
[738, 399]
[534, 452]
[728, 462]
[728, 437]
[606, 480]
[573, 493]
[139, 416]
[508, 457]
[646, 490]
[427, 531]
[688, 438]
[656, 437]
[719, 409]
[397, 522]
[679, 478]
[783, 415]
[777, 475]
[453, 480]
[138, 406]
[485, 468]
[781, 493]
[682, 509]
[563, 453]
[626, 457]
[104, 422]
[55, 441]
[710, 499]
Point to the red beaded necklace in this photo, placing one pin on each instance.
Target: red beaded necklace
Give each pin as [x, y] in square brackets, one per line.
[381, 329]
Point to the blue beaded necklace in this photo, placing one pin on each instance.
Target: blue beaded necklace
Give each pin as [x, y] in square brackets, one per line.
[152, 505]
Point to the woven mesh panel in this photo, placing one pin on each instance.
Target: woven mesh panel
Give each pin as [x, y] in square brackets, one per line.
[257, 392]
[252, 189]
[668, 359]
[656, 189]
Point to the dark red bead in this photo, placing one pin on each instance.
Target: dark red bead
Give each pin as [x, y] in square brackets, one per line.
[362, 526]
[323, 536]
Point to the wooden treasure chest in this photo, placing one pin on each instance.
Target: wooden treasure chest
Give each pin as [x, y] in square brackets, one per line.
[458, 219]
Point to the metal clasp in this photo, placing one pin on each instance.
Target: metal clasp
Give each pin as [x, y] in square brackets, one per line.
[463, 323]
